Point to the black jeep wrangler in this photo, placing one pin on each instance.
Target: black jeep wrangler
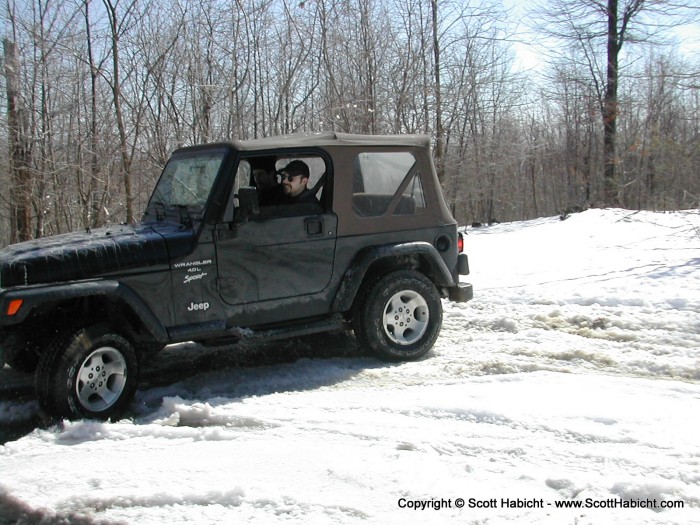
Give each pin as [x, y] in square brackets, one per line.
[213, 262]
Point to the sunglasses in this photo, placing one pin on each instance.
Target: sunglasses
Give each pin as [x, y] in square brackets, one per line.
[287, 176]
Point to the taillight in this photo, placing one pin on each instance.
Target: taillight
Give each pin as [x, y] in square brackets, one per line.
[460, 243]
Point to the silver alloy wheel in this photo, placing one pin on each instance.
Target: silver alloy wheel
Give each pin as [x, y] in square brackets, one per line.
[406, 317]
[101, 379]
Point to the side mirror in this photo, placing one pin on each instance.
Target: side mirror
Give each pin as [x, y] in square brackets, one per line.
[248, 205]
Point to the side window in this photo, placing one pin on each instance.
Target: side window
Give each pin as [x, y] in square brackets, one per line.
[275, 196]
[386, 182]
[242, 178]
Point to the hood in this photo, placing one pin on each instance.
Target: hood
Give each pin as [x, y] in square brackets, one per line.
[83, 255]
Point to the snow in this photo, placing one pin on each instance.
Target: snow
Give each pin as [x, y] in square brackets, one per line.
[573, 376]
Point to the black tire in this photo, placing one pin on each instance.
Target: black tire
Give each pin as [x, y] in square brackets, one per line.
[87, 373]
[399, 316]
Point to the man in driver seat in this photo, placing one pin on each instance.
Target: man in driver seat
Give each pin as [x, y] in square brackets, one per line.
[295, 178]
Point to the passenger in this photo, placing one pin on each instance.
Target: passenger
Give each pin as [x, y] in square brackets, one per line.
[295, 177]
[269, 188]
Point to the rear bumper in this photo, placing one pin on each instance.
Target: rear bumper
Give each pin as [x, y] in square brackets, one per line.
[461, 293]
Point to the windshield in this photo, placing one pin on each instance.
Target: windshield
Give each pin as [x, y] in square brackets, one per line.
[186, 183]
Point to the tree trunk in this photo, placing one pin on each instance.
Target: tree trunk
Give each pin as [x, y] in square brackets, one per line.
[117, 95]
[20, 150]
[439, 131]
[610, 103]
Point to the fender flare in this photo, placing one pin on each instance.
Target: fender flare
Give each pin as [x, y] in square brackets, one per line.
[354, 276]
[35, 297]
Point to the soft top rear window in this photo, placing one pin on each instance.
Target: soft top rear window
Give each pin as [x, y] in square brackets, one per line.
[379, 177]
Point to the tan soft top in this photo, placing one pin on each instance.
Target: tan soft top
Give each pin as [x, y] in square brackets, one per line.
[331, 139]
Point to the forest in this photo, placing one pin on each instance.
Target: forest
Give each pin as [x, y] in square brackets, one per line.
[98, 93]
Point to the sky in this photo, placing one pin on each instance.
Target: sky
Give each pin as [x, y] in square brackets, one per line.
[572, 378]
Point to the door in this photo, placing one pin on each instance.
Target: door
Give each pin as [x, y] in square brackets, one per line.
[273, 265]
[277, 257]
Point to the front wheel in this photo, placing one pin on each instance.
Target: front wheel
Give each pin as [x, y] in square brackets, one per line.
[400, 316]
[89, 373]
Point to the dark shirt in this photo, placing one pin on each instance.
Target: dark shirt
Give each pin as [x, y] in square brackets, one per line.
[271, 197]
[305, 197]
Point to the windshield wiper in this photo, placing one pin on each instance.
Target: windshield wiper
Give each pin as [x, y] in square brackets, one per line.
[159, 208]
[185, 218]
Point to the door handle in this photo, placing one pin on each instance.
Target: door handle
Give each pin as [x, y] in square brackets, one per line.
[314, 226]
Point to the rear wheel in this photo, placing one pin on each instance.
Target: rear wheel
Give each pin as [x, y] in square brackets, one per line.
[400, 316]
[87, 373]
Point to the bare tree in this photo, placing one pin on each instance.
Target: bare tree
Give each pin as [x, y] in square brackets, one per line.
[439, 130]
[352, 60]
[660, 164]
[598, 30]
[98, 93]
[119, 21]
[20, 148]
